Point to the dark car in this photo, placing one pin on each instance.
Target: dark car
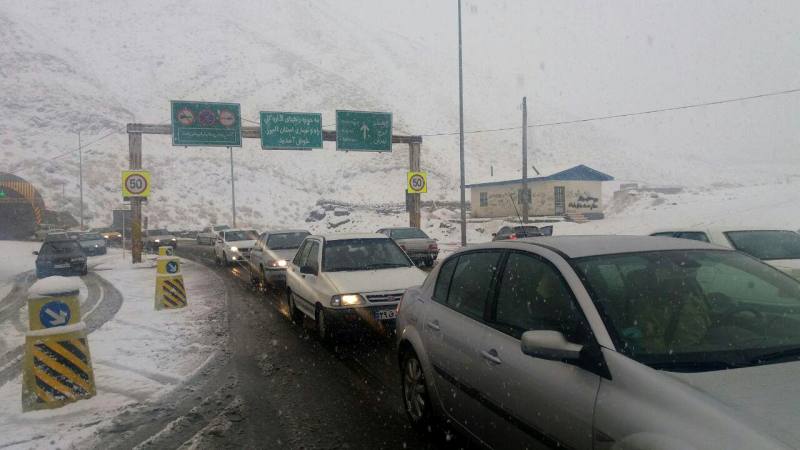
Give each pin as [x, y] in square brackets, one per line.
[521, 231]
[418, 246]
[92, 243]
[60, 257]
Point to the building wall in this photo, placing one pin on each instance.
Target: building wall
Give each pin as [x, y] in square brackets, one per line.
[580, 197]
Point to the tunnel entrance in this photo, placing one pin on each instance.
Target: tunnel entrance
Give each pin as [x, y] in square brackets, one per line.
[21, 207]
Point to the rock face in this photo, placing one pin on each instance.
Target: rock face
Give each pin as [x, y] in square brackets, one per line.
[338, 222]
[338, 212]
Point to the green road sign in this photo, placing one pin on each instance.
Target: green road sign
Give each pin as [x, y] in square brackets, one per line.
[290, 130]
[206, 124]
[364, 131]
[2, 193]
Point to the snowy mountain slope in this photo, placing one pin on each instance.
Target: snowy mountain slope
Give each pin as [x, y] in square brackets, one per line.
[100, 65]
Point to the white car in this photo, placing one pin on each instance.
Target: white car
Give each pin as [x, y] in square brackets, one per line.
[234, 245]
[209, 234]
[347, 279]
[778, 248]
[271, 255]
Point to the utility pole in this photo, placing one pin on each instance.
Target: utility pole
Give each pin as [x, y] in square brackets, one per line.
[80, 176]
[233, 191]
[461, 134]
[524, 194]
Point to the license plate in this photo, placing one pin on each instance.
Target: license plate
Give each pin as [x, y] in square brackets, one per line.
[386, 314]
[60, 266]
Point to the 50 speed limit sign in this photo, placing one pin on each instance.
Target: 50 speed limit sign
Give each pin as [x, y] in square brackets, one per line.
[135, 183]
[417, 183]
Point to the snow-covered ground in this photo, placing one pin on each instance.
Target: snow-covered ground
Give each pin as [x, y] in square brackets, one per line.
[138, 355]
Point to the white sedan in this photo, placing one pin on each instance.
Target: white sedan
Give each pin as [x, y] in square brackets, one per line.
[234, 245]
[778, 248]
[347, 279]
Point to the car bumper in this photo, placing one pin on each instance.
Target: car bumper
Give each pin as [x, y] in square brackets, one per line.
[362, 317]
[273, 276]
[67, 271]
[423, 256]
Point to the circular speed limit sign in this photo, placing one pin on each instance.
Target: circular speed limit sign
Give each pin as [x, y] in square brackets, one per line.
[417, 182]
[135, 183]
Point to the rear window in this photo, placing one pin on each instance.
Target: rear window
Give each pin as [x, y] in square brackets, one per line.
[767, 244]
[90, 237]
[60, 247]
[285, 241]
[409, 233]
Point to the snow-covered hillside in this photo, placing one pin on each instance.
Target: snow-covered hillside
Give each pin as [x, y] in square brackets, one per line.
[77, 65]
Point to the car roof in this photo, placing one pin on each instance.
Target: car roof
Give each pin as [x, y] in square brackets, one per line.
[719, 228]
[582, 246]
[286, 231]
[238, 229]
[346, 236]
[400, 228]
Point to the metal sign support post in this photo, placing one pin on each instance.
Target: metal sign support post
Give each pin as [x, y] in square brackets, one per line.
[135, 154]
[414, 199]
[461, 135]
[525, 197]
[233, 191]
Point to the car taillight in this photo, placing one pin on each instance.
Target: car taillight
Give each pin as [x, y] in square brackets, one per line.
[433, 247]
[513, 237]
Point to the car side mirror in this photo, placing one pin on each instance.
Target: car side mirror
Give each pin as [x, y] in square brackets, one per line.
[35, 252]
[308, 270]
[547, 344]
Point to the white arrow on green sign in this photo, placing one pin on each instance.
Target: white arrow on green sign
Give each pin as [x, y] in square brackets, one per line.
[363, 131]
[290, 130]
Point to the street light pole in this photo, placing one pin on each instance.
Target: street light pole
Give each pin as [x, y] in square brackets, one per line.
[461, 134]
[233, 191]
[525, 197]
[80, 176]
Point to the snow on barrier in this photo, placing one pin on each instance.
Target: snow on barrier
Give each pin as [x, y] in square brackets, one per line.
[57, 368]
[170, 291]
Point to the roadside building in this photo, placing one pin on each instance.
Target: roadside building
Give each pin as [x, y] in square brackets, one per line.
[575, 192]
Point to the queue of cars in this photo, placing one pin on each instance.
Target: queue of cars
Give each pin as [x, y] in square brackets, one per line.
[571, 341]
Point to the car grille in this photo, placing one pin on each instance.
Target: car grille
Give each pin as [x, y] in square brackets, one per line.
[385, 298]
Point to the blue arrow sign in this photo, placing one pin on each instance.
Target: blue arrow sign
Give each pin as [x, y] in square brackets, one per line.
[54, 314]
[172, 267]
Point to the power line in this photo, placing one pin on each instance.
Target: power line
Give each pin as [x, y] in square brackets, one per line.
[616, 116]
[61, 155]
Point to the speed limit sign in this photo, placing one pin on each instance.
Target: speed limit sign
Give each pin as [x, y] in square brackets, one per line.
[135, 183]
[417, 183]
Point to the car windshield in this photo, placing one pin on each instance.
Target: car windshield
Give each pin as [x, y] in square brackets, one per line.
[59, 248]
[695, 310]
[767, 244]
[157, 232]
[241, 235]
[527, 231]
[286, 241]
[362, 254]
[90, 237]
[222, 227]
[409, 233]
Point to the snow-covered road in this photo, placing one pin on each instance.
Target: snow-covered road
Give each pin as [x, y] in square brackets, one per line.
[139, 355]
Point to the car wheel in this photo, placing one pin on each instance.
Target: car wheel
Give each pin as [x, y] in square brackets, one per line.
[225, 261]
[295, 314]
[217, 260]
[85, 270]
[262, 279]
[415, 393]
[324, 328]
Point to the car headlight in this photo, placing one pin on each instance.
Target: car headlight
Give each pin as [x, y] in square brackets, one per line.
[174, 239]
[234, 249]
[278, 263]
[347, 300]
[105, 236]
[96, 245]
[158, 240]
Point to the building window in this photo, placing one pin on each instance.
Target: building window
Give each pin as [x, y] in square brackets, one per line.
[521, 196]
[484, 199]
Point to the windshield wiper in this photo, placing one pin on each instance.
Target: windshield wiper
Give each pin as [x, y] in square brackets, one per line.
[691, 366]
[789, 353]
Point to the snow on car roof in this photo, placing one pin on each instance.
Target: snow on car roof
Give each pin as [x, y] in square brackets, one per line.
[345, 236]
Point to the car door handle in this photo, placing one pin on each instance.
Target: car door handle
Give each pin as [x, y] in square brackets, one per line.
[434, 325]
[491, 356]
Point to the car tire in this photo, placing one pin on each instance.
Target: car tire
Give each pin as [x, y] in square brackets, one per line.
[85, 270]
[324, 329]
[225, 261]
[262, 279]
[295, 314]
[416, 400]
[217, 260]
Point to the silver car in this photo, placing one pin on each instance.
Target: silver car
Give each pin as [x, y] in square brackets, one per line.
[612, 342]
[271, 255]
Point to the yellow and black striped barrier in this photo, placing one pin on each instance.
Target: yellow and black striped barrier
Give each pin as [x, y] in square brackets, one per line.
[170, 291]
[57, 368]
[166, 250]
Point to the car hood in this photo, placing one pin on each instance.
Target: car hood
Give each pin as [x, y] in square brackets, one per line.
[766, 395]
[790, 266]
[241, 244]
[287, 254]
[366, 281]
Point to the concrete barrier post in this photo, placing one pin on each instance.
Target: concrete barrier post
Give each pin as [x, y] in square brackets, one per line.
[57, 366]
[170, 291]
